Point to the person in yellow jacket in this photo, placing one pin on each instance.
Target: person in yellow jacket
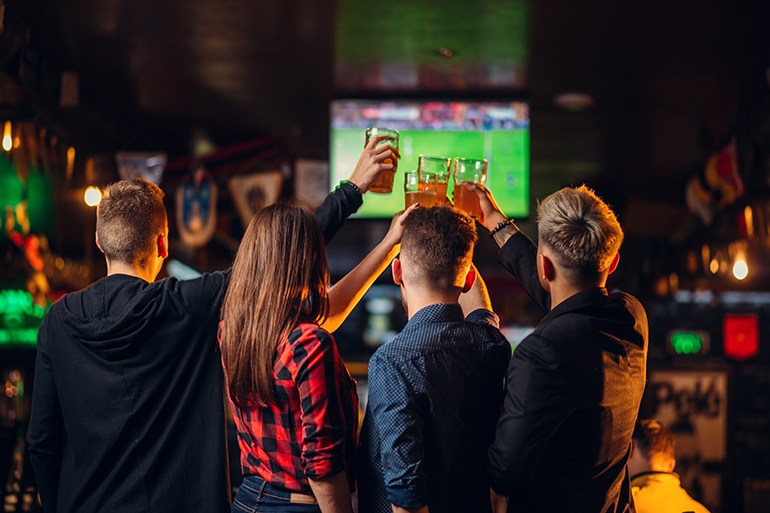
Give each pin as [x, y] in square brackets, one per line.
[654, 485]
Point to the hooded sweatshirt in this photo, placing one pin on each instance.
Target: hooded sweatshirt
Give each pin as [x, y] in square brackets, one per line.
[127, 407]
[132, 372]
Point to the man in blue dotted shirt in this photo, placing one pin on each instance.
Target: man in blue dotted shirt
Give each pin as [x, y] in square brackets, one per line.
[436, 389]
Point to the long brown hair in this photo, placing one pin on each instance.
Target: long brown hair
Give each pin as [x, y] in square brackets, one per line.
[279, 278]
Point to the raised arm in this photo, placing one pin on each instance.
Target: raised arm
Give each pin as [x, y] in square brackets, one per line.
[476, 298]
[518, 254]
[346, 293]
[347, 198]
[492, 218]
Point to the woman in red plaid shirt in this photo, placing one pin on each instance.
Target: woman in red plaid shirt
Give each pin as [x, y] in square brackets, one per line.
[294, 402]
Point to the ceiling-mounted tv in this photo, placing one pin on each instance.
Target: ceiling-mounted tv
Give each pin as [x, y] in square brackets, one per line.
[495, 130]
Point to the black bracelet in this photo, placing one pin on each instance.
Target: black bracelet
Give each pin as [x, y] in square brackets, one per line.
[354, 185]
[500, 226]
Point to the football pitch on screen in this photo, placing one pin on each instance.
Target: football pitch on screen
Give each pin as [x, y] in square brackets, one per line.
[506, 150]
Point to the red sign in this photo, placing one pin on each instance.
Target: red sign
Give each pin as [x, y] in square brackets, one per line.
[741, 336]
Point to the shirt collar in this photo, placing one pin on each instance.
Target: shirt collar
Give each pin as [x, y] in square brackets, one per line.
[441, 312]
[642, 479]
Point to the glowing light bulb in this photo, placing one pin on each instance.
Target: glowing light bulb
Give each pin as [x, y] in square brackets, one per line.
[740, 269]
[7, 141]
[93, 196]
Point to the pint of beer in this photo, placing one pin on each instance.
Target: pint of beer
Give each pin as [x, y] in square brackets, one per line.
[442, 166]
[384, 183]
[469, 171]
[420, 186]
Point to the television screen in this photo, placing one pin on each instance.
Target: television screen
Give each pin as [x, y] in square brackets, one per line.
[496, 131]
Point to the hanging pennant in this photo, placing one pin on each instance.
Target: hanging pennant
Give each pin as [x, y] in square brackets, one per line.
[196, 207]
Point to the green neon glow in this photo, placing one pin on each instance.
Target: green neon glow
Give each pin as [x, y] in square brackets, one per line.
[19, 318]
[686, 343]
[14, 302]
[20, 337]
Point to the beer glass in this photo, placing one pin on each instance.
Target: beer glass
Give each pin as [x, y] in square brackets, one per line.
[442, 167]
[420, 186]
[469, 171]
[384, 183]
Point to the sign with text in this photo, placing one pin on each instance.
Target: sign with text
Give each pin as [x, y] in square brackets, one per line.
[693, 404]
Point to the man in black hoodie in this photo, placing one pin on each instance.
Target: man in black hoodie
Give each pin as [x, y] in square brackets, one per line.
[127, 411]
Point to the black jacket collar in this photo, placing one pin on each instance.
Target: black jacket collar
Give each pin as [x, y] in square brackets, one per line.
[586, 298]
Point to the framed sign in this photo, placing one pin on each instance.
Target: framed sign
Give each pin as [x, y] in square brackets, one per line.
[693, 404]
[253, 192]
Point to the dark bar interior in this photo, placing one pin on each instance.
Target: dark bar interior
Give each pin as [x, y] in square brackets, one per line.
[663, 108]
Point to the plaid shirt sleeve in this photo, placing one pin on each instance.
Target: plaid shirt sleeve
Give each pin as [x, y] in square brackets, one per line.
[328, 404]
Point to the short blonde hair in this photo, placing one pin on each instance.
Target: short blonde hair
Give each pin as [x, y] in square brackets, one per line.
[582, 230]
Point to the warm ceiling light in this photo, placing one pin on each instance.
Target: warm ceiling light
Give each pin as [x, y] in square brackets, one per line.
[574, 101]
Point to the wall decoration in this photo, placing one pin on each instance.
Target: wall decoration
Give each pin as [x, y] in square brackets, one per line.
[253, 192]
[196, 207]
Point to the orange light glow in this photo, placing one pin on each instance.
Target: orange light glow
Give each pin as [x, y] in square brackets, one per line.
[7, 141]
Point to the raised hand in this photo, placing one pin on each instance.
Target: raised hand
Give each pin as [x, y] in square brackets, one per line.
[491, 215]
[373, 162]
[396, 229]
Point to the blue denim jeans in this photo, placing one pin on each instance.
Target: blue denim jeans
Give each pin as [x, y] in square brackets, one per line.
[257, 495]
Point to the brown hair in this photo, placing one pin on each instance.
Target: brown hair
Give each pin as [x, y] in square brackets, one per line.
[129, 219]
[583, 231]
[655, 440]
[279, 278]
[438, 247]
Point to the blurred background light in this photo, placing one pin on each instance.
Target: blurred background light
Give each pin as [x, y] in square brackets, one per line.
[740, 269]
[93, 196]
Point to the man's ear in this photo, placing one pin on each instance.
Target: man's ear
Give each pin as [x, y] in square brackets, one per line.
[398, 277]
[614, 264]
[470, 278]
[549, 270]
[98, 244]
[162, 246]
